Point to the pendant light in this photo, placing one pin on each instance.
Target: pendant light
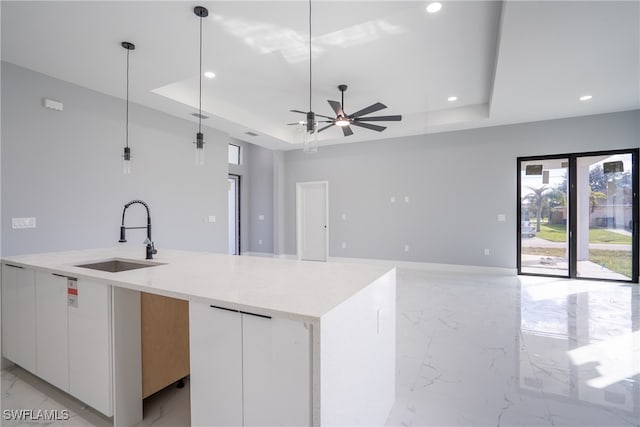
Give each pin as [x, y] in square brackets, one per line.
[200, 12]
[126, 157]
[310, 128]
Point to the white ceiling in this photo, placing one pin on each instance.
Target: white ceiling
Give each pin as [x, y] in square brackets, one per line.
[507, 62]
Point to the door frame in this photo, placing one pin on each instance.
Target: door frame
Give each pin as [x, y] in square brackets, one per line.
[571, 247]
[573, 214]
[300, 218]
[238, 180]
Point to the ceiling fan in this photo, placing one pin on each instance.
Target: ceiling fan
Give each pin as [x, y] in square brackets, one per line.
[356, 119]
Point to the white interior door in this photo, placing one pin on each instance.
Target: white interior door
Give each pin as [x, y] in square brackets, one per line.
[312, 216]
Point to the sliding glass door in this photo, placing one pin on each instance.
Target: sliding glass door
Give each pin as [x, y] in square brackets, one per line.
[578, 215]
[544, 219]
[604, 212]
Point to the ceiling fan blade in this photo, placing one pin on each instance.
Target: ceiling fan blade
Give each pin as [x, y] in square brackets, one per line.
[298, 111]
[346, 130]
[325, 117]
[326, 127]
[370, 109]
[336, 106]
[380, 119]
[369, 126]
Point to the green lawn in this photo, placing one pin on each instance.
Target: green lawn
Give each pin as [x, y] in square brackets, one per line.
[557, 233]
[618, 261]
[552, 252]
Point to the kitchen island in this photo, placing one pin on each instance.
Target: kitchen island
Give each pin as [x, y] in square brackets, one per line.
[271, 341]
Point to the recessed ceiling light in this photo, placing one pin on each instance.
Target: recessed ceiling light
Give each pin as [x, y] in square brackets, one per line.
[452, 98]
[209, 74]
[434, 7]
[585, 97]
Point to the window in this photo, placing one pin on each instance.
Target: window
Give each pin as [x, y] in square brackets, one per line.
[234, 154]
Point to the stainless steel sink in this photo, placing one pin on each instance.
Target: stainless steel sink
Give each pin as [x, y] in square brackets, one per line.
[117, 265]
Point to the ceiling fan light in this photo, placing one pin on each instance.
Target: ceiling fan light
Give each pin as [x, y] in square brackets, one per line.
[342, 121]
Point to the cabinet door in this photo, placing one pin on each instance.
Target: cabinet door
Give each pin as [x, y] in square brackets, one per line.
[276, 371]
[52, 349]
[19, 316]
[10, 312]
[216, 366]
[90, 368]
[27, 319]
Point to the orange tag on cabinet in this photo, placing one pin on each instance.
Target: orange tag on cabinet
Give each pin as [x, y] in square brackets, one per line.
[72, 292]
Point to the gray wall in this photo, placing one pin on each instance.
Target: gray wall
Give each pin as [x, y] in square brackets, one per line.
[64, 168]
[457, 184]
[256, 192]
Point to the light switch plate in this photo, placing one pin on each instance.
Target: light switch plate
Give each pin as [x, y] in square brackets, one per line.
[260, 217]
[211, 218]
[18, 223]
[502, 217]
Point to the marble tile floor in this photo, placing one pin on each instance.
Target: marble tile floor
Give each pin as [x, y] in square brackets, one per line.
[472, 350]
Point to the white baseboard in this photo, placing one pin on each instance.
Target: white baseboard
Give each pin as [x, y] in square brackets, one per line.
[410, 265]
[260, 254]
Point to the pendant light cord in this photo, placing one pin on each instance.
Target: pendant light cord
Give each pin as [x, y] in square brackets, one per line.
[310, 72]
[127, 119]
[200, 91]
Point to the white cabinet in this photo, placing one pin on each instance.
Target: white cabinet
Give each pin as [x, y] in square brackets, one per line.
[67, 345]
[276, 366]
[19, 316]
[52, 349]
[248, 369]
[215, 338]
[90, 367]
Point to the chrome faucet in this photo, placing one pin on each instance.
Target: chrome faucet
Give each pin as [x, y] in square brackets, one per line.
[151, 250]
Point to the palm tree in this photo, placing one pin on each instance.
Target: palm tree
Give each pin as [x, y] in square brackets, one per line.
[594, 196]
[537, 198]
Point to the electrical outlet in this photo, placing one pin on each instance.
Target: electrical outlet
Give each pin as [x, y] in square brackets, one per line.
[406, 248]
[406, 199]
[18, 223]
[210, 218]
[392, 199]
[260, 217]
[487, 252]
[344, 217]
[344, 245]
[502, 218]
[259, 242]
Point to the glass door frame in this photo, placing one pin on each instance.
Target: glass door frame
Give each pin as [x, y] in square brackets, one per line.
[573, 213]
[238, 214]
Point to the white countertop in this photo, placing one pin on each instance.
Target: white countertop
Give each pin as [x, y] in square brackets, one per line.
[285, 288]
